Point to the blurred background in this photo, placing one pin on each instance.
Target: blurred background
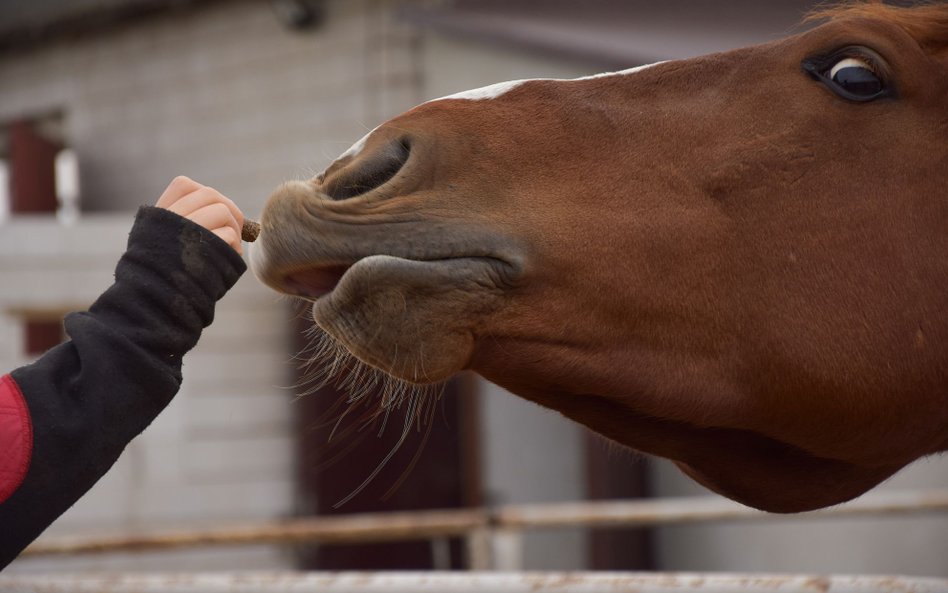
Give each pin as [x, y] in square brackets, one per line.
[103, 102]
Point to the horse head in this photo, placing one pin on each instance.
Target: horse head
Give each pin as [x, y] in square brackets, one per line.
[738, 262]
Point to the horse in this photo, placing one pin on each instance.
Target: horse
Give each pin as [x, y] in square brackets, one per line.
[738, 262]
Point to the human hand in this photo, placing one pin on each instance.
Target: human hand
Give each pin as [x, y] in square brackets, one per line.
[206, 206]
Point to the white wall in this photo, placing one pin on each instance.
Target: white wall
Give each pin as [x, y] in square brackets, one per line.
[914, 545]
[223, 93]
[534, 455]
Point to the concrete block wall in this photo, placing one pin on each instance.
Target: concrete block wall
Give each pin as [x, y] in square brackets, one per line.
[228, 96]
[223, 93]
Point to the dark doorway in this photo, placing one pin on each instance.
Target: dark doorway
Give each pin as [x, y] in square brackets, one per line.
[614, 472]
[435, 468]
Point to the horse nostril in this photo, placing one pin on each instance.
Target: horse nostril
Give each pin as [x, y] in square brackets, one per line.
[369, 172]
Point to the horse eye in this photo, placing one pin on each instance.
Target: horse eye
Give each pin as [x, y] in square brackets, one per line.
[856, 78]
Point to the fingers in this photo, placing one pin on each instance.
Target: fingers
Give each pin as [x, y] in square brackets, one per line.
[219, 219]
[184, 195]
[179, 187]
[205, 206]
[231, 237]
[204, 196]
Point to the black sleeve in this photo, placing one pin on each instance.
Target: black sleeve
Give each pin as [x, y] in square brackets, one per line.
[93, 394]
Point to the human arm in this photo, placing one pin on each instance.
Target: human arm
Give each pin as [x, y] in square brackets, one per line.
[88, 397]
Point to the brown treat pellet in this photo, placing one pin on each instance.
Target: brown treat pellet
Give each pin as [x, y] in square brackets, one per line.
[250, 230]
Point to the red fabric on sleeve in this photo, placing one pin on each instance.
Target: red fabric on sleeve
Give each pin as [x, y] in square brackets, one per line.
[16, 437]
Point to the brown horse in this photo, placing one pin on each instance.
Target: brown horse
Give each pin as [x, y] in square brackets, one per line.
[738, 262]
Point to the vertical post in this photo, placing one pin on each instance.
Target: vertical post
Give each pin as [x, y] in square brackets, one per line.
[610, 476]
[478, 549]
[506, 549]
[490, 548]
[441, 553]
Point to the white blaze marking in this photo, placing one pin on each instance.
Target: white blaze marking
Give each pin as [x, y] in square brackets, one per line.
[625, 72]
[356, 148]
[496, 90]
[488, 92]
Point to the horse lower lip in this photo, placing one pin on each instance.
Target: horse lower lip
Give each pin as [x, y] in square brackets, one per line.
[315, 282]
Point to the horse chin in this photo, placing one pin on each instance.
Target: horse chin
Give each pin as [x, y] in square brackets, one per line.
[414, 320]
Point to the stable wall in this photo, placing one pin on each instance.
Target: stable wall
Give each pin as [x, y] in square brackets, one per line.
[228, 96]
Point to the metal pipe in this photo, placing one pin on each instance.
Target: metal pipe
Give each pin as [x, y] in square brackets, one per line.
[368, 527]
[477, 582]
[662, 511]
[374, 527]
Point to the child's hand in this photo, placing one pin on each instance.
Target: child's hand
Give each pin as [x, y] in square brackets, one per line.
[205, 206]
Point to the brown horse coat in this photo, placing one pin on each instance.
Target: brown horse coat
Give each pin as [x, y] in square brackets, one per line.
[738, 262]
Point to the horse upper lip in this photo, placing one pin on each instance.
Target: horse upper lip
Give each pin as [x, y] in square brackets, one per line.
[321, 279]
[309, 242]
[317, 280]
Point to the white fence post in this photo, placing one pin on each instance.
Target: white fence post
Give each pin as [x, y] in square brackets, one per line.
[478, 548]
[506, 549]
